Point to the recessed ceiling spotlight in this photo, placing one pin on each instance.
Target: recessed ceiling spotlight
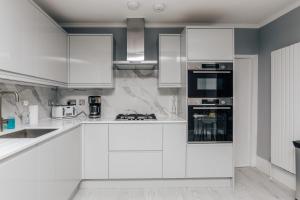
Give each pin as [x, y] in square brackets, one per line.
[133, 4]
[159, 7]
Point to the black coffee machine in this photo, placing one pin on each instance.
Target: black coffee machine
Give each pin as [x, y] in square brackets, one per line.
[95, 106]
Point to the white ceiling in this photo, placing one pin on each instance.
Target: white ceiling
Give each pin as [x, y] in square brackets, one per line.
[177, 11]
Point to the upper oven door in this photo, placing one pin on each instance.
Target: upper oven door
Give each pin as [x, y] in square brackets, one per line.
[210, 83]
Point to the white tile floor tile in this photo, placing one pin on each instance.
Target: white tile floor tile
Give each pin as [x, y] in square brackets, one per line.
[250, 185]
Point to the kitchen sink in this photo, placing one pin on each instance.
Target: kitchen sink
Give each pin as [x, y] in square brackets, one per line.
[27, 133]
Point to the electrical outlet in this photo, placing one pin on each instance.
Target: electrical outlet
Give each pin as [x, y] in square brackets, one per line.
[71, 102]
[51, 103]
[81, 102]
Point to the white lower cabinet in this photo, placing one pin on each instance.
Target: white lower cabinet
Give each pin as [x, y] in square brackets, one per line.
[51, 170]
[95, 151]
[19, 177]
[174, 150]
[67, 165]
[135, 164]
[135, 137]
[209, 161]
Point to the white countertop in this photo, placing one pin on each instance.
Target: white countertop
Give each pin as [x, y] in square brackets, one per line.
[11, 146]
[160, 120]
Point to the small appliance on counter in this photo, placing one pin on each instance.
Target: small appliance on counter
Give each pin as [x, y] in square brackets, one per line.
[63, 111]
[95, 107]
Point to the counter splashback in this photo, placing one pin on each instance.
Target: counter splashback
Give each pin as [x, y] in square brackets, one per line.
[135, 90]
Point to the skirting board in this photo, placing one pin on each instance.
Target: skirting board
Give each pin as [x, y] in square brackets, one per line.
[278, 174]
[156, 183]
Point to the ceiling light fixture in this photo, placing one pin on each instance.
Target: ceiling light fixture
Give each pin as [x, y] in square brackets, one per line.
[159, 7]
[133, 4]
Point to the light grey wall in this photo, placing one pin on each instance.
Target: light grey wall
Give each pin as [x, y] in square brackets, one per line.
[246, 41]
[277, 34]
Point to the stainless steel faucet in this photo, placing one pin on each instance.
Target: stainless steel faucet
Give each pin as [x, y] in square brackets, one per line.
[2, 121]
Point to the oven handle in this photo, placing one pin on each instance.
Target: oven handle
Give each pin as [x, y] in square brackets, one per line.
[215, 108]
[212, 72]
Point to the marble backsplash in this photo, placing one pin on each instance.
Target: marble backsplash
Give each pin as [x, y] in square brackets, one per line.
[135, 91]
[34, 95]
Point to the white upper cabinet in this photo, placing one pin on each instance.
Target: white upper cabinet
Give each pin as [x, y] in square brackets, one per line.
[169, 61]
[210, 44]
[91, 61]
[32, 47]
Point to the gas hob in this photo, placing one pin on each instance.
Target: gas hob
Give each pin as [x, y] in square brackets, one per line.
[135, 117]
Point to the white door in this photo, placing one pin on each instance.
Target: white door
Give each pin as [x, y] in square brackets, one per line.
[244, 111]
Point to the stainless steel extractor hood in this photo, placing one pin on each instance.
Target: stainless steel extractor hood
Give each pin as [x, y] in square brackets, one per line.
[135, 48]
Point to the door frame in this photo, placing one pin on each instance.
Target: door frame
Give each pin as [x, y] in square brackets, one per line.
[254, 95]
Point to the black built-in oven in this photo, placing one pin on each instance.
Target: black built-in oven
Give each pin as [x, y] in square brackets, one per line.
[210, 120]
[210, 80]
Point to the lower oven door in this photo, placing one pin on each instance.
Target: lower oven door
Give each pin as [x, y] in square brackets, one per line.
[210, 124]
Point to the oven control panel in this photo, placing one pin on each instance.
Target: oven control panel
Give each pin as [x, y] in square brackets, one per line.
[210, 101]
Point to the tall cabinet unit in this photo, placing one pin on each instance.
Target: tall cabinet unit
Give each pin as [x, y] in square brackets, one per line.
[206, 45]
[33, 48]
[91, 61]
[169, 61]
[285, 106]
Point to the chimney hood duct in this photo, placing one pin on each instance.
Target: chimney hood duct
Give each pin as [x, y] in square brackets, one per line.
[135, 48]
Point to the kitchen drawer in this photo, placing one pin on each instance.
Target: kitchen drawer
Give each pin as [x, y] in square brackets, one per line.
[135, 137]
[135, 164]
[209, 161]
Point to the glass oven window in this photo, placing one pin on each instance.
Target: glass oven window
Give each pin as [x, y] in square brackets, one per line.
[209, 124]
[209, 85]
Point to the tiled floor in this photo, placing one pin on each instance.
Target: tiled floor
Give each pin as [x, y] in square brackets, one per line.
[250, 185]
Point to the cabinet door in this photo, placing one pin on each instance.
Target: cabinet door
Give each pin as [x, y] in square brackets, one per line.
[209, 161]
[169, 61]
[34, 49]
[16, 39]
[68, 163]
[95, 151]
[174, 150]
[19, 177]
[51, 53]
[210, 44]
[127, 137]
[91, 61]
[59, 166]
[135, 164]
